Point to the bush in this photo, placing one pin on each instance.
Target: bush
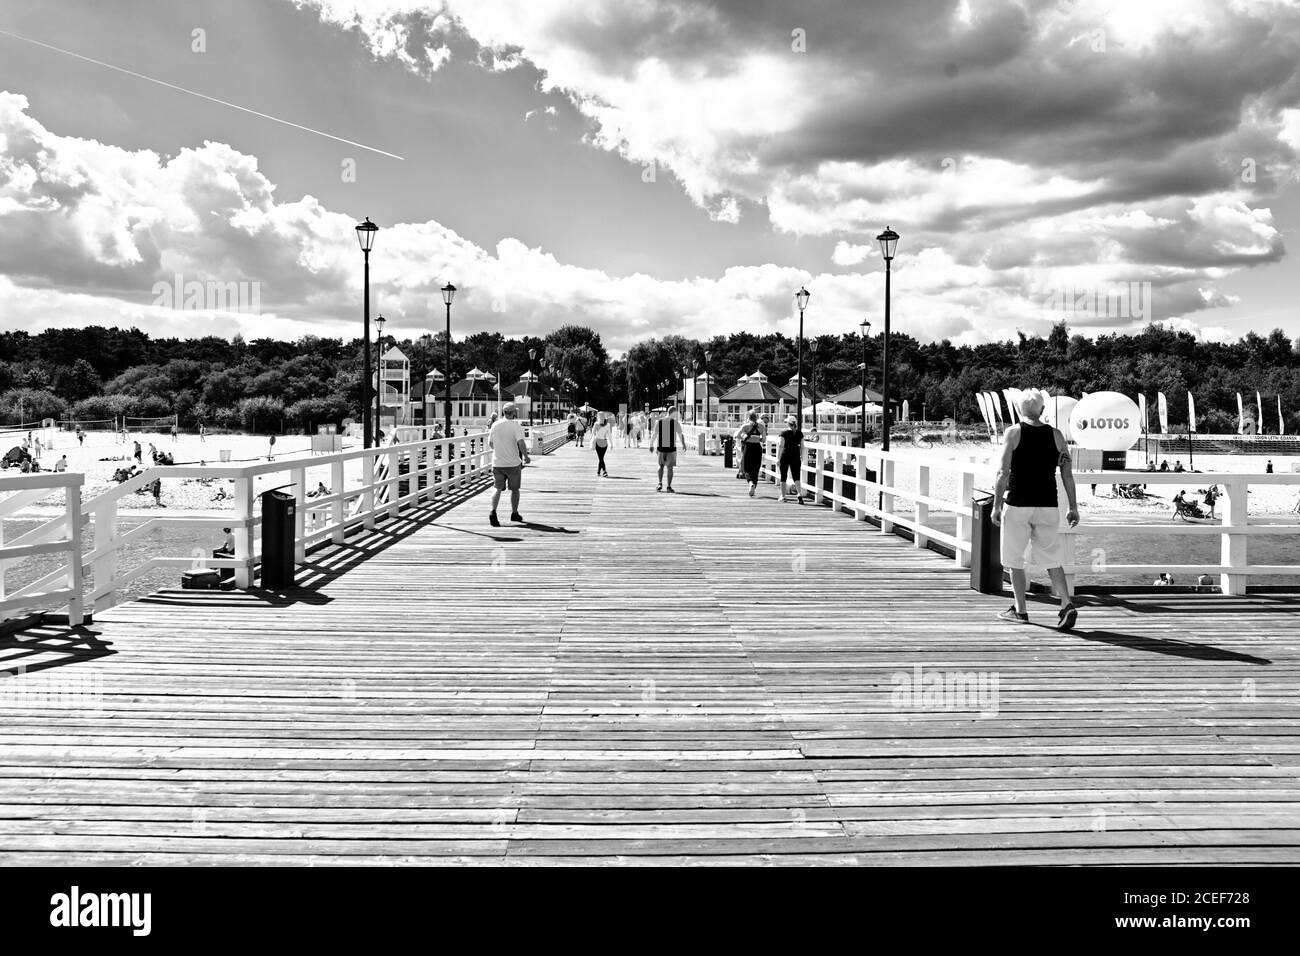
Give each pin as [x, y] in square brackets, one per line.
[310, 412]
[31, 405]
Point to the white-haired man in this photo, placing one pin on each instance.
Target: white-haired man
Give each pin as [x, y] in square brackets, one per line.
[1032, 452]
[509, 454]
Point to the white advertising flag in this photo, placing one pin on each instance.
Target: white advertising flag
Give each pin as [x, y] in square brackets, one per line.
[1162, 412]
[984, 412]
[1241, 416]
[906, 409]
[1259, 411]
[1281, 422]
[1012, 411]
[1142, 414]
[1191, 413]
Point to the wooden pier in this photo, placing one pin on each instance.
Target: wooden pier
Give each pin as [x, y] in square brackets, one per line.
[638, 677]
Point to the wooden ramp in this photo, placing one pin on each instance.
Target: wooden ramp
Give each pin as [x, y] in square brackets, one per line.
[643, 678]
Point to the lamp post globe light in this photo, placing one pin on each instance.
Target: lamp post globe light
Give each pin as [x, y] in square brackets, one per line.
[366, 236]
[448, 291]
[866, 330]
[379, 379]
[801, 301]
[888, 242]
[532, 384]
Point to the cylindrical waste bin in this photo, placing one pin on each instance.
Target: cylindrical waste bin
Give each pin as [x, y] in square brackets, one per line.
[277, 540]
[985, 546]
[728, 452]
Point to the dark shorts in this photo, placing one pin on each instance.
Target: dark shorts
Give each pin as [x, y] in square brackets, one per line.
[790, 466]
[508, 477]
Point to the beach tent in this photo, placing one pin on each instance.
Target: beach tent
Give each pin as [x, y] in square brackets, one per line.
[16, 456]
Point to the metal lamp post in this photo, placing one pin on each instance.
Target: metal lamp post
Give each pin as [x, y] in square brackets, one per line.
[541, 385]
[708, 392]
[888, 242]
[532, 383]
[866, 330]
[379, 380]
[812, 347]
[448, 291]
[801, 300]
[695, 406]
[366, 236]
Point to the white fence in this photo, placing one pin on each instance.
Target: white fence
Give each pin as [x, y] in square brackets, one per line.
[918, 493]
[392, 478]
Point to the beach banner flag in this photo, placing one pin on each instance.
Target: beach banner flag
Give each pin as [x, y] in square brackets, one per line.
[1259, 410]
[905, 409]
[995, 406]
[1281, 422]
[1162, 412]
[1241, 416]
[984, 412]
[1013, 404]
[1142, 413]
[1191, 413]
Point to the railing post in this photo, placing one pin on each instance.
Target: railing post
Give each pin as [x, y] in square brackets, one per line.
[1233, 553]
[299, 478]
[339, 508]
[395, 490]
[860, 466]
[73, 510]
[819, 459]
[368, 491]
[920, 540]
[886, 499]
[964, 519]
[104, 568]
[244, 534]
[837, 479]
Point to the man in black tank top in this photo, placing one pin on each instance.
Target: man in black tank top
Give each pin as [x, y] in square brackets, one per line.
[1031, 454]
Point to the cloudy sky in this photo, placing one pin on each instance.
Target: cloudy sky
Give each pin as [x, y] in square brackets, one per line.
[647, 167]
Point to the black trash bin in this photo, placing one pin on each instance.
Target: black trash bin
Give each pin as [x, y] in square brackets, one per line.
[728, 452]
[985, 546]
[277, 540]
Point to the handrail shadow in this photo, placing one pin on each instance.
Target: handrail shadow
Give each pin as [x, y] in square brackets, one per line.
[76, 644]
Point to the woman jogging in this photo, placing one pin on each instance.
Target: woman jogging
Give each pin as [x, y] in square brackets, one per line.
[751, 436]
[600, 435]
[789, 456]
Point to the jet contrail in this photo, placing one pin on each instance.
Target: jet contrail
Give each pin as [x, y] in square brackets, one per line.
[204, 96]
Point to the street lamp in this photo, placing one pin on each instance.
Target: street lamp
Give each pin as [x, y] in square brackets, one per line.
[812, 347]
[801, 300]
[541, 383]
[888, 241]
[366, 236]
[448, 291]
[532, 384]
[379, 381]
[866, 330]
[708, 392]
[694, 404]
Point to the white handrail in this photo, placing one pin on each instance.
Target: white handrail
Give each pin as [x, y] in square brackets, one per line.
[425, 468]
[877, 499]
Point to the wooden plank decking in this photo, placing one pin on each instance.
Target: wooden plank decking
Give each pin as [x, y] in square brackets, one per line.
[639, 677]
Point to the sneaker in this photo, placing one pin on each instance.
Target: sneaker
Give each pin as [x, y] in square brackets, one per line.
[1014, 616]
[670, 489]
[752, 489]
[1067, 616]
[493, 520]
[516, 516]
[659, 487]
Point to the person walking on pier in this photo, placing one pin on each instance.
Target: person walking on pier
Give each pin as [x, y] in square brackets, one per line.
[1032, 452]
[509, 455]
[600, 437]
[752, 436]
[668, 437]
[789, 457]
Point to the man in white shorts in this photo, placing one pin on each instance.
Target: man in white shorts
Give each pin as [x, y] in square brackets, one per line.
[1032, 452]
